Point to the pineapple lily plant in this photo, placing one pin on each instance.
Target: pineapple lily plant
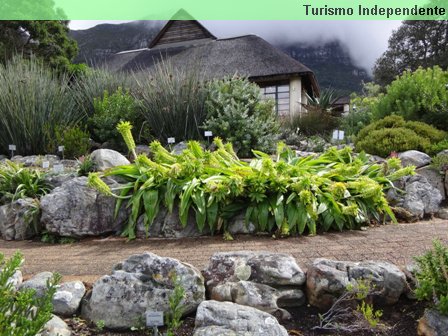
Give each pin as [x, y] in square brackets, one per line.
[337, 190]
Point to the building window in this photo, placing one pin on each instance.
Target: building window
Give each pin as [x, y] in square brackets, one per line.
[280, 95]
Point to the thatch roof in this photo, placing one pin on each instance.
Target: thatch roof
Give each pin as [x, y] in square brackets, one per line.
[248, 55]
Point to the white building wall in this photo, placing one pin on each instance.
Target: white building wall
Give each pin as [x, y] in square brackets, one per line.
[295, 95]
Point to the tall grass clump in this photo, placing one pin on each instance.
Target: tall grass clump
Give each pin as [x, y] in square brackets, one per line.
[34, 101]
[172, 101]
[93, 83]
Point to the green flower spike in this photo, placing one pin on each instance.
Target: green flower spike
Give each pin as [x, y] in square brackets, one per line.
[125, 127]
[94, 181]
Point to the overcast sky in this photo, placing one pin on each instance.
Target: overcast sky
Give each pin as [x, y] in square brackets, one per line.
[365, 40]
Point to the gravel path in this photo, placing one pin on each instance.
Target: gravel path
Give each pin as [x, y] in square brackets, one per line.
[90, 258]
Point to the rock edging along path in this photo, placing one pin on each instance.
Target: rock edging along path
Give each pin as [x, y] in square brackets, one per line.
[89, 259]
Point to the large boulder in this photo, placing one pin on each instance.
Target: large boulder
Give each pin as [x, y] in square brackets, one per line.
[16, 221]
[55, 327]
[215, 318]
[414, 158]
[38, 283]
[76, 210]
[68, 297]
[328, 279]
[433, 324]
[260, 296]
[434, 178]
[168, 225]
[274, 269]
[446, 183]
[419, 198]
[141, 283]
[108, 158]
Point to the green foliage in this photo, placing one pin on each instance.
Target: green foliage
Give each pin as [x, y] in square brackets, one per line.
[440, 163]
[51, 238]
[393, 133]
[432, 276]
[172, 101]
[421, 95]
[438, 147]
[34, 102]
[360, 114]
[342, 317]
[76, 142]
[19, 182]
[236, 113]
[21, 312]
[416, 43]
[86, 165]
[333, 191]
[111, 109]
[47, 40]
[173, 318]
[312, 122]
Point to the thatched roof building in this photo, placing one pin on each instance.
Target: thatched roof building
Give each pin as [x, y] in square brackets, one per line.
[187, 42]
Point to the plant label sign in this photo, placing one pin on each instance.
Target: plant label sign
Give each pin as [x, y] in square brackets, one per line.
[58, 168]
[61, 148]
[338, 135]
[208, 133]
[46, 164]
[154, 318]
[171, 140]
[12, 147]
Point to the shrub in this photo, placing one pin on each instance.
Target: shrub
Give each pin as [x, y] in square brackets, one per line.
[19, 182]
[387, 140]
[393, 133]
[76, 142]
[34, 101]
[432, 276]
[438, 147]
[419, 95]
[291, 194]
[313, 122]
[172, 101]
[111, 109]
[236, 113]
[21, 312]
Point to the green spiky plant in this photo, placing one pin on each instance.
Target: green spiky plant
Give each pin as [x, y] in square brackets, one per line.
[337, 190]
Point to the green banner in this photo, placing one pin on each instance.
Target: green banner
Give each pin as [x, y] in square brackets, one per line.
[224, 9]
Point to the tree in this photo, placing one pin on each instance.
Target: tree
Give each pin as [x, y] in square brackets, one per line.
[414, 44]
[47, 40]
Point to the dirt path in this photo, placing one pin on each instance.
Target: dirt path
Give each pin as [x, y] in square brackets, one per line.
[89, 259]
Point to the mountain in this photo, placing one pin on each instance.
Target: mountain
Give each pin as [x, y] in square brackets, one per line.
[330, 61]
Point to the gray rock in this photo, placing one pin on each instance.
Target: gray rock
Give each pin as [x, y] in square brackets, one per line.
[420, 197]
[433, 324]
[16, 279]
[141, 283]
[434, 178]
[215, 318]
[2, 158]
[414, 158]
[142, 149]
[328, 279]
[238, 226]
[76, 210]
[443, 213]
[108, 158]
[446, 183]
[444, 152]
[68, 297]
[274, 269]
[16, 222]
[55, 327]
[57, 180]
[38, 283]
[167, 225]
[179, 148]
[263, 297]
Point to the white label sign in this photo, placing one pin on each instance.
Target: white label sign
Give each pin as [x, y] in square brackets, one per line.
[154, 318]
[208, 133]
[171, 140]
[338, 135]
[61, 148]
[58, 168]
[12, 147]
[46, 164]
